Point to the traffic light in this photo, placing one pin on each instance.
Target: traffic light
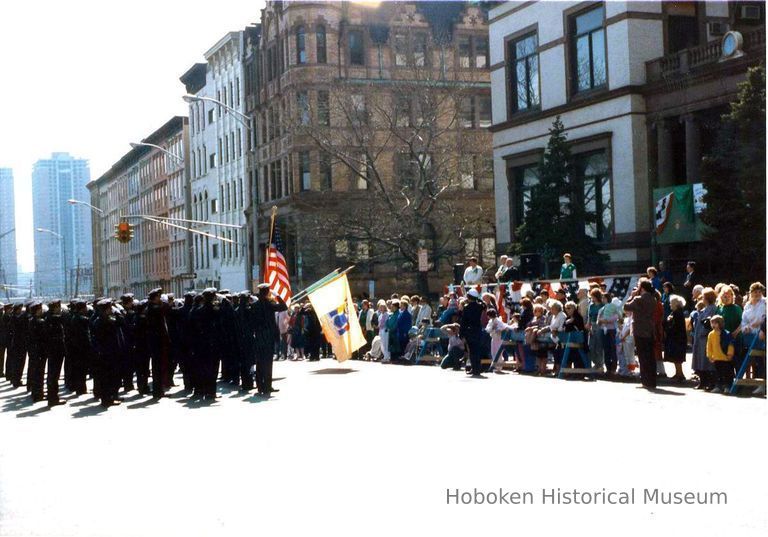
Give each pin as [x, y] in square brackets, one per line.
[123, 232]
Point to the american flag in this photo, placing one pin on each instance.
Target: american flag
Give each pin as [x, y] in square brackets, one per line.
[276, 273]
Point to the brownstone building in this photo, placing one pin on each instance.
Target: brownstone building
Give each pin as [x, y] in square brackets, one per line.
[371, 138]
[145, 181]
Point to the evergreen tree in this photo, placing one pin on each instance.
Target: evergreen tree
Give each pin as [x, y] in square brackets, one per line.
[555, 219]
[734, 176]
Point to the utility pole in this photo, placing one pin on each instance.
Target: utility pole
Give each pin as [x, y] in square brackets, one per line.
[77, 278]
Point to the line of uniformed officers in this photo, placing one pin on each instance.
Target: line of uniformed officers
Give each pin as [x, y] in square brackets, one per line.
[117, 342]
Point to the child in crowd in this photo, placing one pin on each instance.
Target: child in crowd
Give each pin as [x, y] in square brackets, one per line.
[607, 318]
[495, 329]
[720, 353]
[412, 348]
[538, 322]
[456, 347]
[626, 347]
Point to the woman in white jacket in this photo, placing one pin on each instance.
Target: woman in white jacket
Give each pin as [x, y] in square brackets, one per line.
[383, 334]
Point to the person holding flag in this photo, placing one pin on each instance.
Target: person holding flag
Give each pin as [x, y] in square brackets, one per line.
[274, 296]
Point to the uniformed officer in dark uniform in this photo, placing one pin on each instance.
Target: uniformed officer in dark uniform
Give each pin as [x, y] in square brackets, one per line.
[129, 333]
[78, 341]
[230, 356]
[109, 344]
[5, 335]
[266, 333]
[54, 349]
[206, 323]
[140, 358]
[244, 313]
[157, 341]
[185, 336]
[17, 349]
[175, 326]
[37, 351]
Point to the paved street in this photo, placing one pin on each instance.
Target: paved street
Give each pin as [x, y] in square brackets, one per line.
[367, 449]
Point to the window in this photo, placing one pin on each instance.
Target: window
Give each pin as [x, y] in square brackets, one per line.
[404, 172]
[402, 110]
[304, 172]
[420, 49]
[467, 112]
[591, 171]
[212, 160]
[465, 52]
[301, 45]
[215, 251]
[481, 52]
[588, 50]
[400, 47]
[323, 108]
[467, 172]
[302, 103]
[326, 172]
[214, 206]
[473, 52]
[341, 249]
[364, 173]
[321, 44]
[524, 73]
[524, 179]
[210, 116]
[356, 47]
[592, 191]
[484, 111]
[358, 113]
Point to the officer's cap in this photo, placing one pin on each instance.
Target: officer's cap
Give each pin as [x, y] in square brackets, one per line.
[263, 286]
[155, 292]
[126, 297]
[190, 294]
[210, 291]
[55, 301]
[34, 305]
[104, 302]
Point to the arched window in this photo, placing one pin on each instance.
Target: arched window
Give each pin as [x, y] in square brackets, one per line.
[321, 44]
[301, 45]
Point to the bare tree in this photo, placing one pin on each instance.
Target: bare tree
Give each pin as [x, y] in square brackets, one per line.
[417, 166]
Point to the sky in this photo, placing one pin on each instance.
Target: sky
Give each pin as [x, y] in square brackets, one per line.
[89, 76]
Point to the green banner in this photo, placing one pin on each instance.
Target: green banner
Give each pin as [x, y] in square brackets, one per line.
[676, 219]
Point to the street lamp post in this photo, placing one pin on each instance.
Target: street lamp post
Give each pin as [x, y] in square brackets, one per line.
[64, 251]
[136, 145]
[247, 122]
[102, 248]
[2, 272]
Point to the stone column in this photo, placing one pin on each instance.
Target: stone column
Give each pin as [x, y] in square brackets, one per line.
[664, 153]
[692, 149]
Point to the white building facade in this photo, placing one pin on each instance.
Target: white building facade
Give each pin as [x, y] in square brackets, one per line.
[59, 254]
[8, 268]
[618, 74]
[218, 159]
[574, 59]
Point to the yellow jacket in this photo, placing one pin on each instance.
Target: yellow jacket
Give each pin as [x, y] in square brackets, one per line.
[715, 351]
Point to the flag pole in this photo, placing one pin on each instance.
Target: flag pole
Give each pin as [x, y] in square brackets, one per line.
[325, 279]
[271, 236]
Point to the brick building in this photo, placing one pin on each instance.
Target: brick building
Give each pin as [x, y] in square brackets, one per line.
[353, 102]
[145, 181]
